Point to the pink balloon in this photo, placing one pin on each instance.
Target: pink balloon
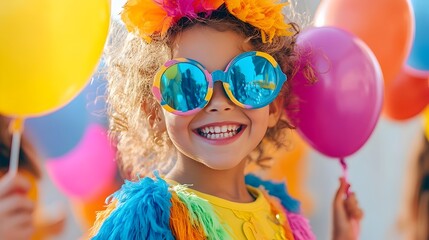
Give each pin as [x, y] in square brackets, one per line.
[338, 113]
[86, 169]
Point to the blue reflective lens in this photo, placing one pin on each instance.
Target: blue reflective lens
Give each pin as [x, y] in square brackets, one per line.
[253, 81]
[183, 87]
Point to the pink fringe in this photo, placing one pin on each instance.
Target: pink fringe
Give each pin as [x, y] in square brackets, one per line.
[300, 227]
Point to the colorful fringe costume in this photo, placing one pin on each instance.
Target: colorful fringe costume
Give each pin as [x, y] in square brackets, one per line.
[155, 209]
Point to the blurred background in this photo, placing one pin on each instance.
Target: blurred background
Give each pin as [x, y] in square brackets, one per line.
[377, 172]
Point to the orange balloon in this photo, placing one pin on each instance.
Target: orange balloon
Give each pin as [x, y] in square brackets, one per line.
[288, 165]
[86, 210]
[386, 26]
[426, 122]
[406, 96]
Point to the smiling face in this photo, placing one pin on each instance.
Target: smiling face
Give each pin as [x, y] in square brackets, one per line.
[222, 134]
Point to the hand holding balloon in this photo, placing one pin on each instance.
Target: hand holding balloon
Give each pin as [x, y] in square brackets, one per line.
[347, 214]
[16, 209]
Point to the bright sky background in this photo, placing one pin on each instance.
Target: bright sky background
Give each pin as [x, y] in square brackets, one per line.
[117, 7]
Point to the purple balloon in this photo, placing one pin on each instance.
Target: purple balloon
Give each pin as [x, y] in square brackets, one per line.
[338, 113]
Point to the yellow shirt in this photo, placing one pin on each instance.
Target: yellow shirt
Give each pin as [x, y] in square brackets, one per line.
[255, 220]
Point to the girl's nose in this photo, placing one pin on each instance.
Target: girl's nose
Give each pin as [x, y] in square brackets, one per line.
[219, 101]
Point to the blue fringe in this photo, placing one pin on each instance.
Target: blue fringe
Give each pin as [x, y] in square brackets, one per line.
[142, 212]
[278, 190]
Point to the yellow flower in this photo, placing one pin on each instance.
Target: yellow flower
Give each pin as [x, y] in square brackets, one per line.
[263, 14]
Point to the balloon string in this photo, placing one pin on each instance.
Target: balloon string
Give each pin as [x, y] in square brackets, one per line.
[355, 223]
[345, 174]
[15, 128]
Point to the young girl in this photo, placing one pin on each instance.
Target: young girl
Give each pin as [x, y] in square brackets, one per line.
[195, 89]
[20, 215]
[414, 220]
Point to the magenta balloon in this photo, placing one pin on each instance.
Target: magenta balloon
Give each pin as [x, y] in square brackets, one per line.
[86, 169]
[338, 113]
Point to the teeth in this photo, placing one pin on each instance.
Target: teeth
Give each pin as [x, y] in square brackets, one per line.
[217, 129]
[219, 132]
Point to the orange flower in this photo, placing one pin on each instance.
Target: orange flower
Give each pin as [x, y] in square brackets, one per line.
[146, 18]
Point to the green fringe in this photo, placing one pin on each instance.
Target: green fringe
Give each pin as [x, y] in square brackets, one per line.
[202, 212]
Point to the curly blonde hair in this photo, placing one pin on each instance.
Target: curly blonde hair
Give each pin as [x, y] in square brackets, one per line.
[136, 123]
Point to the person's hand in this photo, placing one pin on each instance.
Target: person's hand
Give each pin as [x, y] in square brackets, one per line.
[347, 214]
[16, 210]
[50, 220]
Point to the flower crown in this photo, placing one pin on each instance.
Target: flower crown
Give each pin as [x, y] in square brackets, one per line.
[154, 17]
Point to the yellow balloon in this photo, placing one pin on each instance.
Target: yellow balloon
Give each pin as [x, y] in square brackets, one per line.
[48, 51]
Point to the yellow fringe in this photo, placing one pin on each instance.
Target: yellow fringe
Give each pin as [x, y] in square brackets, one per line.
[180, 222]
[101, 216]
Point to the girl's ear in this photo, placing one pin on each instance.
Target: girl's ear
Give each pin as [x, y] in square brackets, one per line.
[159, 120]
[276, 110]
[155, 117]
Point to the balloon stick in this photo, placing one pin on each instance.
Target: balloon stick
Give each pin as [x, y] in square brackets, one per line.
[16, 129]
[345, 173]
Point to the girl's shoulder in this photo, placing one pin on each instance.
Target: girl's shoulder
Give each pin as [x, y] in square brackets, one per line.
[139, 210]
[151, 208]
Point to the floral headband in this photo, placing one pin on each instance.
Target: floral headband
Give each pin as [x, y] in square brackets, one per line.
[155, 17]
